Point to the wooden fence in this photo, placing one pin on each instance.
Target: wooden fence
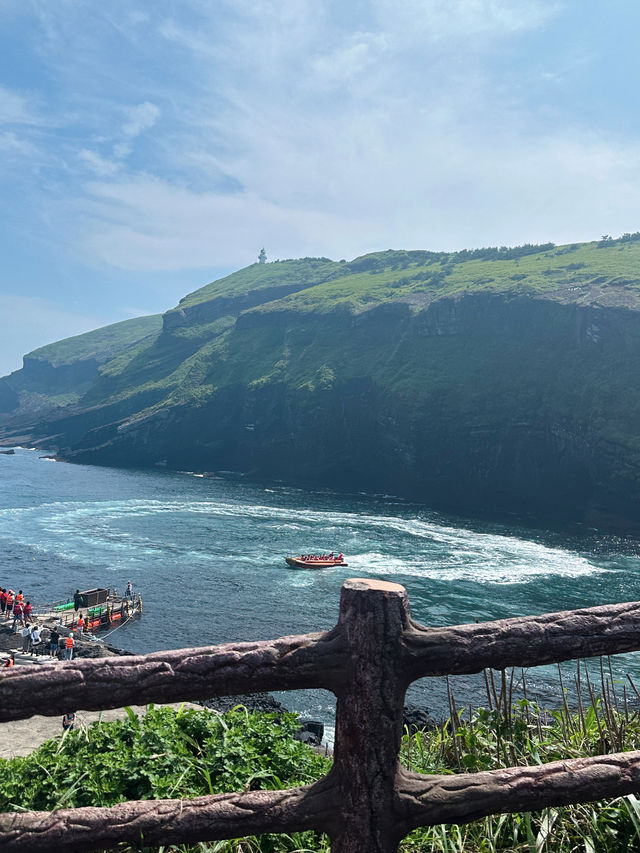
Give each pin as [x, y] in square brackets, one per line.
[368, 801]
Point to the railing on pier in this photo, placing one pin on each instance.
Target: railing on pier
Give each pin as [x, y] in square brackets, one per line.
[114, 611]
[368, 801]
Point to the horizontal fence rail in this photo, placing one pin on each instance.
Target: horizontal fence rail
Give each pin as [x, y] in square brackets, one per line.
[368, 801]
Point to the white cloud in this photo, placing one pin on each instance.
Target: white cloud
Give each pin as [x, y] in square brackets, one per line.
[457, 20]
[141, 117]
[477, 193]
[151, 224]
[13, 145]
[319, 129]
[97, 164]
[15, 109]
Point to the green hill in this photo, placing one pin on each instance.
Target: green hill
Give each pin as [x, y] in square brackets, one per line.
[56, 375]
[493, 380]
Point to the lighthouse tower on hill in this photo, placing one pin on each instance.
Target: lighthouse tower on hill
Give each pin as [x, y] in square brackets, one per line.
[262, 257]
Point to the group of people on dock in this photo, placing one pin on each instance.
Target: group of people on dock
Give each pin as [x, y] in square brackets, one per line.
[56, 641]
[13, 605]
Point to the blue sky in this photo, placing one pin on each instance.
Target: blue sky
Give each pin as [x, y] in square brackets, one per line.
[147, 148]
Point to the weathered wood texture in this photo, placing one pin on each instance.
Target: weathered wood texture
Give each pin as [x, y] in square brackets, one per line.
[374, 616]
[166, 821]
[417, 801]
[368, 802]
[430, 800]
[289, 663]
[525, 641]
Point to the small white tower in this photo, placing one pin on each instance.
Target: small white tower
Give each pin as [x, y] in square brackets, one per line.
[262, 257]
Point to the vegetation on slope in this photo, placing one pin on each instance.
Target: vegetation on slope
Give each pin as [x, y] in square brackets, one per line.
[56, 375]
[100, 344]
[193, 350]
[190, 753]
[477, 379]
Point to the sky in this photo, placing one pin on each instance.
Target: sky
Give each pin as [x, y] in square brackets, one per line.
[147, 148]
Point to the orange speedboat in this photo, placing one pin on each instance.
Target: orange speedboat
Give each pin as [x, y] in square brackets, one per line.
[315, 562]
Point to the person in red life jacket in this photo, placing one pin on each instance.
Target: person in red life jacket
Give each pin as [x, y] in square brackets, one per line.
[80, 625]
[20, 597]
[340, 556]
[27, 613]
[68, 648]
[9, 603]
[10, 661]
[18, 614]
[3, 600]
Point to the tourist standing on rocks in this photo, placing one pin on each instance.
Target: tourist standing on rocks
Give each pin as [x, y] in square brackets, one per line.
[54, 638]
[68, 648]
[9, 603]
[27, 613]
[18, 613]
[36, 640]
[26, 638]
[3, 600]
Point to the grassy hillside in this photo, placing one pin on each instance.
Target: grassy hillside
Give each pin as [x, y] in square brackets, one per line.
[475, 378]
[197, 356]
[56, 375]
[99, 344]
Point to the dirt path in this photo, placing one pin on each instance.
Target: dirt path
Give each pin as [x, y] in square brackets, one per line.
[21, 737]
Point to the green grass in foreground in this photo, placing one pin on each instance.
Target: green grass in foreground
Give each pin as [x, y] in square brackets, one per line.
[190, 753]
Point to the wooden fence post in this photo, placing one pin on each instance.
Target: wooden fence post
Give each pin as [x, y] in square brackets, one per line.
[373, 618]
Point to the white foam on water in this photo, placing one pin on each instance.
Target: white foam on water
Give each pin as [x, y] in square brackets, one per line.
[416, 547]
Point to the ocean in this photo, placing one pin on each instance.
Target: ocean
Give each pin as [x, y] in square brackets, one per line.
[207, 555]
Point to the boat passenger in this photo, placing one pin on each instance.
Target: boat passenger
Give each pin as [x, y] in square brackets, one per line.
[340, 555]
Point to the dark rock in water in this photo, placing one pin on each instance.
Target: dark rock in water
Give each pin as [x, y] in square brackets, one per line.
[416, 719]
[252, 702]
[7, 452]
[311, 732]
[92, 649]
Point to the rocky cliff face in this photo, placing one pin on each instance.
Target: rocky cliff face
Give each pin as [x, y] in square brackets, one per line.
[54, 377]
[476, 404]
[480, 400]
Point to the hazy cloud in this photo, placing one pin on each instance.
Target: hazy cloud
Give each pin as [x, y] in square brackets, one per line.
[31, 322]
[141, 118]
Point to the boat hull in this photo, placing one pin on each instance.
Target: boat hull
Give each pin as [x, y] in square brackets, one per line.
[297, 563]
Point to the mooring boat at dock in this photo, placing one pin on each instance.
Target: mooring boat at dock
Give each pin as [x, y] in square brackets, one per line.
[100, 608]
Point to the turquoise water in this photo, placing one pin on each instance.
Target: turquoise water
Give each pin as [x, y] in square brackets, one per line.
[208, 557]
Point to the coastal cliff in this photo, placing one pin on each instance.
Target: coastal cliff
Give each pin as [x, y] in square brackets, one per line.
[500, 381]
